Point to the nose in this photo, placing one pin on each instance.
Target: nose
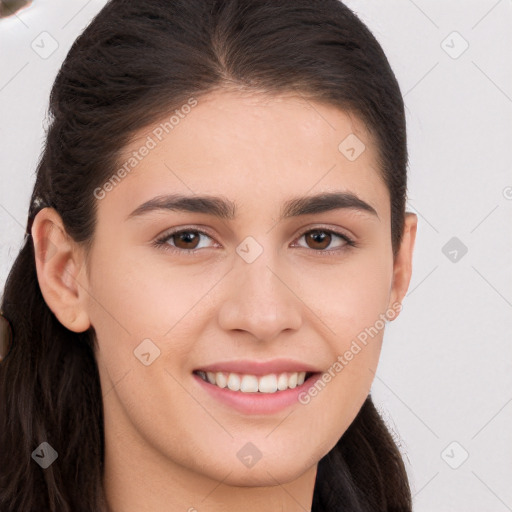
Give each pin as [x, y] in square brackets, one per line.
[260, 300]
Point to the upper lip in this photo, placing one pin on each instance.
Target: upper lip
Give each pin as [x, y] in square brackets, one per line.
[251, 367]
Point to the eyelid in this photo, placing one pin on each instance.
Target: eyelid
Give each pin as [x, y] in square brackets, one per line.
[348, 239]
[161, 240]
[342, 232]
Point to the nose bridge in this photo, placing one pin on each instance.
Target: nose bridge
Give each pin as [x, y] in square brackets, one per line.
[260, 285]
[258, 300]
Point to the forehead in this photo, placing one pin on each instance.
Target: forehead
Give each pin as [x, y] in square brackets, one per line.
[254, 149]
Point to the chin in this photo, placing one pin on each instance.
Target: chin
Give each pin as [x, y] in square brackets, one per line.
[262, 474]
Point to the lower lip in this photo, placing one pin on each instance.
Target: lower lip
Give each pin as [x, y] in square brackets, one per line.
[258, 403]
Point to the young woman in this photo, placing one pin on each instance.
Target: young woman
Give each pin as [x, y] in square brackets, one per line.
[216, 239]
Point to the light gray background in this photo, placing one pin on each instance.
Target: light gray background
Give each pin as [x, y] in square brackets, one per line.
[444, 380]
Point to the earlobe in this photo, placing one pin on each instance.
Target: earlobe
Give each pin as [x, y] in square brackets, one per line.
[59, 263]
[402, 266]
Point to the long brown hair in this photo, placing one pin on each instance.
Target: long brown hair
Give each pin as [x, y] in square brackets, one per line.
[136, 61]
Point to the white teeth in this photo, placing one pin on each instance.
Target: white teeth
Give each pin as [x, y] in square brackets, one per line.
[270, 383]
[221, 380]
[282, 382]
[233, 382]
[249, 384]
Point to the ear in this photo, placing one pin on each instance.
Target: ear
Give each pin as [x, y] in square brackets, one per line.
[60, 265]
[402, 266]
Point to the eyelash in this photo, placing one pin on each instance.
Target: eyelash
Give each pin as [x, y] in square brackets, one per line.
[161, 242]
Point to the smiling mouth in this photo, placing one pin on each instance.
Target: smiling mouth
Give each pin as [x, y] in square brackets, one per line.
[247, 383]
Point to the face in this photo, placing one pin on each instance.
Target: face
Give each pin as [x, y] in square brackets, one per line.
[296, 286]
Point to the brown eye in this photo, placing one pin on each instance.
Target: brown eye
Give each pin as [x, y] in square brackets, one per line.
[186, 239]
[320, 239]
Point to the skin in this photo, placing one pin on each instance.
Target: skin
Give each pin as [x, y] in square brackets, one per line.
[169, 446]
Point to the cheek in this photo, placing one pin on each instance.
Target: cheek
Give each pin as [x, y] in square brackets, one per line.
[133, 300]
[350, 295]
[350, 301]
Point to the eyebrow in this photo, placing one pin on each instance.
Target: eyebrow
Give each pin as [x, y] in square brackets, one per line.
[226, 209]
